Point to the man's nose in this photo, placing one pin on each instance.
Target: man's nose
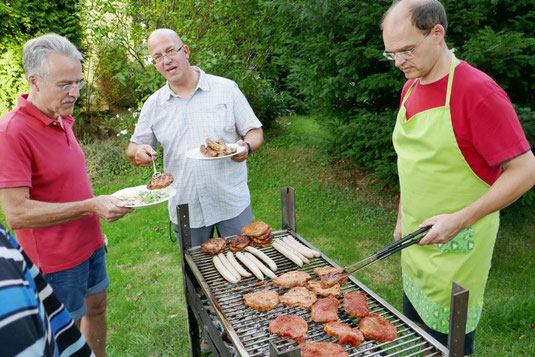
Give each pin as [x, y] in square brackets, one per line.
[399, 60]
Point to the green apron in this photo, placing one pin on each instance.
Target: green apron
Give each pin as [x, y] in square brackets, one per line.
[436, 179]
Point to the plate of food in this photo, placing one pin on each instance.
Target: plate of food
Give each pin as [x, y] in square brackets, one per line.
[214, 150]
[141, 197]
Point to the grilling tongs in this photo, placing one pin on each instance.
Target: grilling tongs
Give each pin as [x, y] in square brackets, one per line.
[331, 278]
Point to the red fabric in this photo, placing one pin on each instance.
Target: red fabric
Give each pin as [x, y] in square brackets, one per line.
[39, 154]
[484, 121]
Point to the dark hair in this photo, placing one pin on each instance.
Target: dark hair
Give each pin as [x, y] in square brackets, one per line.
[425, 14]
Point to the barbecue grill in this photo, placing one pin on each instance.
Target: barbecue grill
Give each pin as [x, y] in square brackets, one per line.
[230, 328]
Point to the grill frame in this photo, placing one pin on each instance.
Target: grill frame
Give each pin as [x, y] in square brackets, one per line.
[226, 341]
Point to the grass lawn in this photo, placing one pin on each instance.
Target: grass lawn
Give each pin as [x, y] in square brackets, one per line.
[337, 211]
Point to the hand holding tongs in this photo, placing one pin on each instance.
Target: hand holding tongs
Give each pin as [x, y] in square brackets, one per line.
[331, 278]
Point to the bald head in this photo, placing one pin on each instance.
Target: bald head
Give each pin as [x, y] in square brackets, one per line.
[423, 14]
[163, 34]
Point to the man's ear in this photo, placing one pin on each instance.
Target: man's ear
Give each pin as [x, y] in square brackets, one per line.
[186, 51]
[33, 81]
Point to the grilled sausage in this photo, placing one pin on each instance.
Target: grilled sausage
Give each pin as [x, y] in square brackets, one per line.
[294, 258]
[264, 269]
[250, 265]
[223, 271]
[237, 266]
[263, 256]
[230, 267]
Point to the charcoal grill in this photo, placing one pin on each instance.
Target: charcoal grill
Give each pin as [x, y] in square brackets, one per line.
[230, 328]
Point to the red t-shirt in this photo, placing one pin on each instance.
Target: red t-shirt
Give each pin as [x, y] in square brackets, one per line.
[37, 153]
[484, 121]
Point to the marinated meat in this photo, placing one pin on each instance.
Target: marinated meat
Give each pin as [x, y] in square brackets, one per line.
[255, 229]
[216, 146]
[292, 279]
[239, 243]
[219, 148]
[325, 310]
[376, 327]
[289, 326]
[323, 270]
[315, 286]
[330, 278]
[206, 151]
[214, 246]
[161, 181]
[322, 349]
[344, 333]
[299, 296]
[262, 300]
[355, 304]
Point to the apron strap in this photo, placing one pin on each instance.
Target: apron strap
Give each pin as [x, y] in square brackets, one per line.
[450, 79]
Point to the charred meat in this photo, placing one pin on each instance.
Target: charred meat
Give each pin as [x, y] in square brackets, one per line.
[239, 243]
[161, 181]
[315, 286]
[214, 246]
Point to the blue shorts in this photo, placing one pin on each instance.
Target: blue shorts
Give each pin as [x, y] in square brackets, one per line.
[86, 279]
[411, 313]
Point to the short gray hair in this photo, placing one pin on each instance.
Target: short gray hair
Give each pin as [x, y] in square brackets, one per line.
[35, 53]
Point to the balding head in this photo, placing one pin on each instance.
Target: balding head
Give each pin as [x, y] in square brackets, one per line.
[163, 34]
[423, 14]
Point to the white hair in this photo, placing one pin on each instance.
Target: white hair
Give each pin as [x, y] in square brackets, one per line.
[35, 53]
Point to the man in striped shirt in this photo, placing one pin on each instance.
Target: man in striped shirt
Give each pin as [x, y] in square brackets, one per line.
[33, 322]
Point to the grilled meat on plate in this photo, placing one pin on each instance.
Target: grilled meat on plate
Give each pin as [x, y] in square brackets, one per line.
[344, 333]
[355, 304]
[161, 181]
[214, 246]
[289, 326]
[325, 310]
[376, 327]
[299, 296]
[292, 279]
[263, 300]
[322, 349]
[315, 286]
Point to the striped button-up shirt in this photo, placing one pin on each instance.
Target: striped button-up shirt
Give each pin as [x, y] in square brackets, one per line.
[215, 190]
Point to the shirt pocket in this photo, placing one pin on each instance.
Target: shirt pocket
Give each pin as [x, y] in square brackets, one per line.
[463, 242]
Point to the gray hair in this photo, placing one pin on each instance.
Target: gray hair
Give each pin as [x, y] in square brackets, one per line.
[425, 14]
[35, 53]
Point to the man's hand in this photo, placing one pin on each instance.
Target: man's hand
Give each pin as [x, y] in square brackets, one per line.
[444, 228]
[140, 155]
[109, 208]
[242, 155]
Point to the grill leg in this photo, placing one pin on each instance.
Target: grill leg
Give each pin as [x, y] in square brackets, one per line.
[459, 307]
[288, 208]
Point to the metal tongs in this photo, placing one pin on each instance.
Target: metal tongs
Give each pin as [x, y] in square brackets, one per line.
[333, 277]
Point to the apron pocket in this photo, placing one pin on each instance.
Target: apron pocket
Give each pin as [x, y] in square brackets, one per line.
[461, 243]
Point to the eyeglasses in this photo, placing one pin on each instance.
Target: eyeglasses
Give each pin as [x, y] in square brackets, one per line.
[403, 54]
[68, 87]
[170, 52]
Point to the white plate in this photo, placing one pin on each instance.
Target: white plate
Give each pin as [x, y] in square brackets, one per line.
[133, 191]
[196, 153]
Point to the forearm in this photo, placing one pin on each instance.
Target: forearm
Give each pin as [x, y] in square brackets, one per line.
[255, 138]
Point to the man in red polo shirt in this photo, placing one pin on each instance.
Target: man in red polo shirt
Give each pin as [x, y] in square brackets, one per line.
[45, 191]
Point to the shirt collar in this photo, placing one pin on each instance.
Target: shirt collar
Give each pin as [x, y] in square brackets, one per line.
[202, 84]
[34, 112]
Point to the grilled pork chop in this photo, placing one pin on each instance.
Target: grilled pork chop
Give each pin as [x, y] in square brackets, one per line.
[376, 327]
[299, 296]
[322, 349]
[337, 276]
[292, 279]
[315, 286]
[289, 326]
[325, 310]
[239, 243]
[262, 300]
[161, 181]
[344, 333]
[355, 304]
[256, 229]
[214, 246]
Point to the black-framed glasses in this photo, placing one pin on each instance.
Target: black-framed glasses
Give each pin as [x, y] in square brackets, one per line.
[66, 88]
[403, 55]
[170, 52]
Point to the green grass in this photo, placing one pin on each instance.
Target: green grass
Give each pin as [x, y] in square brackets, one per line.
[337, 210]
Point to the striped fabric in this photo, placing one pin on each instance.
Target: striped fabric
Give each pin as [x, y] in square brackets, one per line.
[33, 322]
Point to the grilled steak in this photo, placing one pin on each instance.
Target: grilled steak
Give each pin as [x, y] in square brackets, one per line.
[289, 326]
[330, 278]
[315, 286]
[238, 243]
[325, 310]
[299, 296]
[292, 279]
[322, 349]
[355, 304]
[323, 270]
[255, 229]
[262, 300]
[161, 181]
[214, 246]
[376, 327]
[344, 333]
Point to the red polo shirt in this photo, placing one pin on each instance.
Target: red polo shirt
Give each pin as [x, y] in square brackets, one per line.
[36, 152]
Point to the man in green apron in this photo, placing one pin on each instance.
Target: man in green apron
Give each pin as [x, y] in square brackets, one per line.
[462, 156]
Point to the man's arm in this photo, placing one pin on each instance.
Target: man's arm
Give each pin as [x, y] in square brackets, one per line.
[140, 154]
[22, 212]
[518, 177]
[255, 138]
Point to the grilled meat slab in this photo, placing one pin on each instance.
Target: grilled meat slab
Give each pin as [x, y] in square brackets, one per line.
[214, 246]
[355, 304]
[344, 333]
[161, 181]
[239, 243]
[315, 286]
[256, 229]
[289, 326]
[330, 278]
[292, 279]
[376, 327]
[263, 300]
[325, 310]
[299, 296]
[322, 349]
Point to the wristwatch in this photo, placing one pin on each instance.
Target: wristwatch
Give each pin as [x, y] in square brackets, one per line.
[248, 148]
